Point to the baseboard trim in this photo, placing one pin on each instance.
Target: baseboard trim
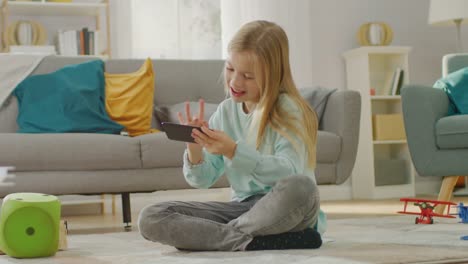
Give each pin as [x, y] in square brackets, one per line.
[427, 187]
[74, 205]
[335, 192]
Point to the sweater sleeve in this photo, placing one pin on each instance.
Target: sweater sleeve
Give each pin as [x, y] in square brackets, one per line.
[205, 174]
[268, 169]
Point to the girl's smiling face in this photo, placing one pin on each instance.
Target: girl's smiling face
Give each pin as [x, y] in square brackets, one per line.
[241, 80]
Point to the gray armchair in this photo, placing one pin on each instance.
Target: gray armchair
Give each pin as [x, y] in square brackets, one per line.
[438, 143]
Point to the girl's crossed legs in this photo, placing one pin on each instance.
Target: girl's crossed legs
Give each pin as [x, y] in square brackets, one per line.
[291, 205]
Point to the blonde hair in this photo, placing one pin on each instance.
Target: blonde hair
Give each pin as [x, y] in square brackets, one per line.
[267, 44]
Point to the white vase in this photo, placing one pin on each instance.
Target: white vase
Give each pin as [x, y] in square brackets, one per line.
[375, 34]
[24, 33]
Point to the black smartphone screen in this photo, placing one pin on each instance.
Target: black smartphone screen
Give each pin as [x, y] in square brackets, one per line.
[179, 132]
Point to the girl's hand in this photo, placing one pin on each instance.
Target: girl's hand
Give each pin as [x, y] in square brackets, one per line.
[194, 150]
[215, 141]
[195, 120]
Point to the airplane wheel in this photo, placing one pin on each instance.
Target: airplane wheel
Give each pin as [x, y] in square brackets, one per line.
[432, 221]
[416, 220]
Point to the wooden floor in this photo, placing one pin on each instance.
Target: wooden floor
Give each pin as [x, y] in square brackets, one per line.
[108, 222]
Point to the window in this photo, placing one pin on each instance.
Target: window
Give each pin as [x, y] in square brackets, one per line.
[178, 29]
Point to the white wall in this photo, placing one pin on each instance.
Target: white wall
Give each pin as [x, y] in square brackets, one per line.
[121, 29]
[293, 16]
[334, 26]
[320, 31]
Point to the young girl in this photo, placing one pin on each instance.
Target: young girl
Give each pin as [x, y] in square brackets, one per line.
[263, 138]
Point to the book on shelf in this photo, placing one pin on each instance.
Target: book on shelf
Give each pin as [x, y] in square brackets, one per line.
[397, 81]
[400, 83]
[387, 85]
[393, 82]
[77, 42]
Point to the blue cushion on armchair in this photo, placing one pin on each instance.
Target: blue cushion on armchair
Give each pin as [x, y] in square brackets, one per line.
[455, 86]
[70, 99]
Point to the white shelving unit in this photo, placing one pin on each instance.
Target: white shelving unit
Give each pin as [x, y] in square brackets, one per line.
[45, 8]
[370, 68]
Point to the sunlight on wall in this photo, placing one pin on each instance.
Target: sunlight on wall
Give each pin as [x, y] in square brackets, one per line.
[180, 29]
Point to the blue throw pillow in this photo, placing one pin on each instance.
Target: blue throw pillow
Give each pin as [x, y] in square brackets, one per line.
[455, 85]
[70, 99]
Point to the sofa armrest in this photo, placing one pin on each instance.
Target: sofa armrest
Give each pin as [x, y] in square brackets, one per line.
[422, 107]
[341, 117]
[8, 115]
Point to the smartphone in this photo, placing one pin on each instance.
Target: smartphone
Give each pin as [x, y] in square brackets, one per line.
[179, 132]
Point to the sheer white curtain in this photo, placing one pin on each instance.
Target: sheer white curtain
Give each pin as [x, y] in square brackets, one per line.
[121, 29]
[293, 16]
[178, 29]
[201, 29]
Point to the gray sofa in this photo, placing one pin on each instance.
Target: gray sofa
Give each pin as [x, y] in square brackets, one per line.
[76, 163]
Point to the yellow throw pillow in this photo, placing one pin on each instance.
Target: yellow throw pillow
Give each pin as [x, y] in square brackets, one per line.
[129, 99]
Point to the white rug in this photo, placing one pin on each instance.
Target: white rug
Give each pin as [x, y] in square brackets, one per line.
[359, 240]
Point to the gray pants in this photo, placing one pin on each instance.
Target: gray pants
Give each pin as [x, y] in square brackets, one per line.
[291, 205]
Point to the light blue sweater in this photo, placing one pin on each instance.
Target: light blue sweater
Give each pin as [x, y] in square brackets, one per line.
[250, 172]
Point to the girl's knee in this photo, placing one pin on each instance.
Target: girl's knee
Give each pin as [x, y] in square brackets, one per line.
[300, 183]
[300, 187]
[149, 219]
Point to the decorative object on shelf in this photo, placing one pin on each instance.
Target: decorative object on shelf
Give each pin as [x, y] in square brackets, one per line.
[375, 34]
[448, 13]
[11, 11]
[24, 32]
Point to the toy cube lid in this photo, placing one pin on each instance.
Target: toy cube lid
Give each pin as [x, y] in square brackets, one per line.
[31, 197]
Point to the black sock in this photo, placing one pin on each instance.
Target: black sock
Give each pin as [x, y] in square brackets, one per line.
[308, 238]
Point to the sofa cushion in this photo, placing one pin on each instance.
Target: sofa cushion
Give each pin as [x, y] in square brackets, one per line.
[157, 151]
[452, 132]
[328, 150]
[69, 151]
[328, 147]
[129, 98]
[455, 85]
[68, 100]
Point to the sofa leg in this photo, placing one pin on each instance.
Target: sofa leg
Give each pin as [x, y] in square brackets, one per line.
[446, 190]
[126, 211]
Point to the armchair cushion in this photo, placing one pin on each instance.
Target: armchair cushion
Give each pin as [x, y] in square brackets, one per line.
[456, 86]
[317, 98]
[452, 132]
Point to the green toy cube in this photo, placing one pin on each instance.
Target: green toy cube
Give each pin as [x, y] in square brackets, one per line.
[29, 225]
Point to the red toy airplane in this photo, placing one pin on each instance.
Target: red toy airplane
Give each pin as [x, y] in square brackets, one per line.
[427, 210]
